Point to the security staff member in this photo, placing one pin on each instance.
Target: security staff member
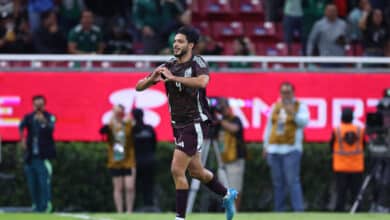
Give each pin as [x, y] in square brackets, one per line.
[347, 145]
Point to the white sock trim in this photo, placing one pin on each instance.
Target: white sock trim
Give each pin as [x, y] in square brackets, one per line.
[178, 218]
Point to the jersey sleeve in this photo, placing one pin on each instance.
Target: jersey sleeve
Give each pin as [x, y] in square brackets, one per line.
[201, 66]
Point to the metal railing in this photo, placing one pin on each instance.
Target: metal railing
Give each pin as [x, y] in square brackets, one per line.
[108, 62]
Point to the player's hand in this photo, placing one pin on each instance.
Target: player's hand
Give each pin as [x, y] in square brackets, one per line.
[40, 117]
[156, 76]
[147, 31]
[167, 74]
[290, 108]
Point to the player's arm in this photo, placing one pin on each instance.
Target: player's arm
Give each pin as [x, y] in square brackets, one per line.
[22, 126]
[200, 81]
[148, 81]
[72, 48]
[231, 126]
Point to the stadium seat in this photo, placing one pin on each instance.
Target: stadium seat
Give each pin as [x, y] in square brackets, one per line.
[138, 47]
[227, 29]
[203, 27]
[260, 29]
[277, 49]
[213, 7]
[195, 7]
[228, 48]
[248, 7]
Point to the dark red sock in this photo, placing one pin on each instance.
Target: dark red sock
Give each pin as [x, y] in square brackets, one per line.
[181, 202]
[215, 186]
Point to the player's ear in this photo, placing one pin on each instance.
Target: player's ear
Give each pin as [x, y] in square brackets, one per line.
[191, 45]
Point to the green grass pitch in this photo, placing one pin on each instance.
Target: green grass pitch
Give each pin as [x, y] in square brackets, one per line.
[170, 216]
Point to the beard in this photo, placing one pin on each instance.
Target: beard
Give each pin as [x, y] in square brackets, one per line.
[181, 53]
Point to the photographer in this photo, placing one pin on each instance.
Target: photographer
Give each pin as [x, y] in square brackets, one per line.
[347, 147]
[381, 159]
[39, 148]
[233, 149]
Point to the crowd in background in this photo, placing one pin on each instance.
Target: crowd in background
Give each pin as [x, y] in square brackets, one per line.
[322, 27]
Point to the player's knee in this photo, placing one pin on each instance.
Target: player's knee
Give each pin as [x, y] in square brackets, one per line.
[130, 188]
[177, 171]
[197, 174]
[194, 174]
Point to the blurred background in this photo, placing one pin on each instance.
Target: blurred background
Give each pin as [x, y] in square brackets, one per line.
[86, 56]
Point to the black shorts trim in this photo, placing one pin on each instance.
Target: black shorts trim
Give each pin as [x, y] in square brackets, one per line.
[115, 172]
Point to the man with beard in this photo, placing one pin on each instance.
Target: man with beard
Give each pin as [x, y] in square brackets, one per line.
[186, 77]
[39, 148]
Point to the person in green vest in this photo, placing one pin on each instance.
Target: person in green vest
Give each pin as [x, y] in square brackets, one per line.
[85, 38]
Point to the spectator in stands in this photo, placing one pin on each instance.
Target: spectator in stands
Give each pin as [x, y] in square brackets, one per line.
[273, 9]
[121, 157]
[292, 22]
[375, 33]
[70, 13]
[15, 35]
[208, 46]
[152, 18]
[11, 7]
[354, 18]
[145, 142]
[51, 38]
[35, 9]
[24, 36]
[313, 10]
[39, 148]
[242, 46]
[185, 19]
[105, 10]
[347, 147]
[85, 38]
[283, 137]
[328, 34]
[233, 153]
[7, 33]
[118, 41]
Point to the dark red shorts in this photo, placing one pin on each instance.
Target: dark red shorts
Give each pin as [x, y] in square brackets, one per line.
[189, 138]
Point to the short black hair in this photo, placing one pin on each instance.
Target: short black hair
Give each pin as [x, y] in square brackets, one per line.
[191, 34]
[347, 115]
[122, 107]
[36, 97]
[138, 114]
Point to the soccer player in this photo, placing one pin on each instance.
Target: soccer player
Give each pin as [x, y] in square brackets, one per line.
[186, 77]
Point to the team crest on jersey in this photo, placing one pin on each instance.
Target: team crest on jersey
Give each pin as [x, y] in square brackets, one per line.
[188, 72]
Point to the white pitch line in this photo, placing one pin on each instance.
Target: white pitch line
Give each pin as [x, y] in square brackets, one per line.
[81, 216]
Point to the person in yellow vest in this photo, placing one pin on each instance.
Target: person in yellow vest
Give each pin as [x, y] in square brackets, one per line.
[121, 157]
[233, 149]
[347, 146]
[283, 137]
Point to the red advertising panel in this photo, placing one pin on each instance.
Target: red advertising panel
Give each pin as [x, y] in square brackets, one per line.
[82, 101]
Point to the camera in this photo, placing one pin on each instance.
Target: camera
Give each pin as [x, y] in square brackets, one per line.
[378, 128]
[216, 105]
